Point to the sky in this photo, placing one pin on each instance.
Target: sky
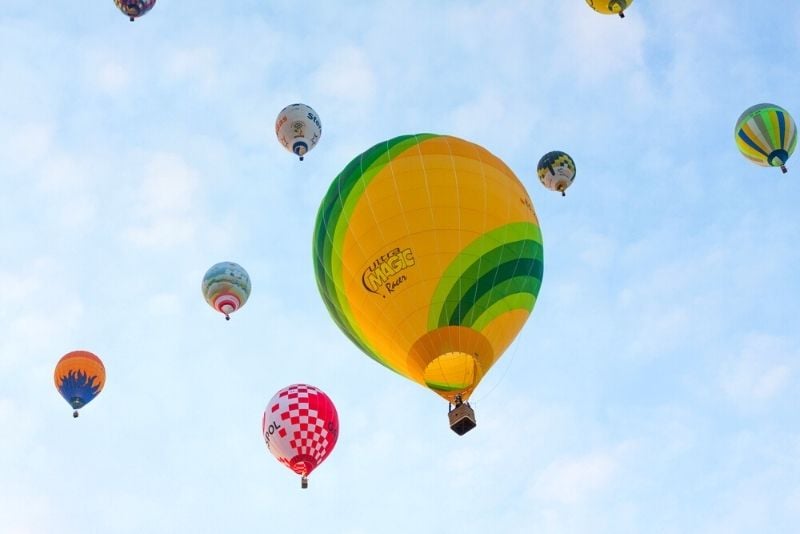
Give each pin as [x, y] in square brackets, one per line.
[654, 389]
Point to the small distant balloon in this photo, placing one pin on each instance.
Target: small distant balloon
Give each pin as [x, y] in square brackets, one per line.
[766, 135]
[610, 7]
[135, 8]
[226, 287]
[298, 128]
[300, 426]
[556, 171]
[79, 377]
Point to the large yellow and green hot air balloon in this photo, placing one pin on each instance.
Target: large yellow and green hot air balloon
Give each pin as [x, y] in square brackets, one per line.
[766, 135]
[428, 255]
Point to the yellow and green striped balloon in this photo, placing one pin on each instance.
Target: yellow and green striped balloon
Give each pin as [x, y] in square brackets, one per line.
[766, 135]
[428, 256]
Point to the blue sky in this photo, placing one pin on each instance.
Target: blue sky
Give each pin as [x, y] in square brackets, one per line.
[654, 389]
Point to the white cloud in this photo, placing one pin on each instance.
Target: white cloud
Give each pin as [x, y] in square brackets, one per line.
[23, 146]
[39, 309]
[346, 77]
[199, 65]
[164, 304]
[470, 119]
[113, 76]
[573, 480]
[166, 204]
[761, 371]
[595, 49]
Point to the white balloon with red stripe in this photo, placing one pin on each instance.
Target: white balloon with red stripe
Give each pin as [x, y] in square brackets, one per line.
[300, 426]
[226, 287]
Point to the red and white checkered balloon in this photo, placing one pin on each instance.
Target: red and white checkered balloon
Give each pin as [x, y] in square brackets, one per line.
[300, 426]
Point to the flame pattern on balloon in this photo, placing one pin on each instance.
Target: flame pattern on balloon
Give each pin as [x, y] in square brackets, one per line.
[766, 135]
[79, 377]
[428, 256]
[301, 427]
[226, 287]
[135, 8]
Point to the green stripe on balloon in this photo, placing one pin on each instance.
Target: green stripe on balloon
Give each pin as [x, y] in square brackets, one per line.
[346, 191]
[515, 301]
[333, 203]
[527, 269]
[517, 285]
[331, 227]
[469, 257]
[440, 386]
[488, 262]
[373, 162]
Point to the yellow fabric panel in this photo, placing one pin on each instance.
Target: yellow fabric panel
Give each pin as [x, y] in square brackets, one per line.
[430, 210]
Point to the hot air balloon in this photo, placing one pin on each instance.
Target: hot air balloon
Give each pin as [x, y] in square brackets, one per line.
[79, 377]
[610, 7]
[226, 287]
[766, 135]
[135, 8]
[300, 426]
[428, 256]
[298, 128]
[556, 171]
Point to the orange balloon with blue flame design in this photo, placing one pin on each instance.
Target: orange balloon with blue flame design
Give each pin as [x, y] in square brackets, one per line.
[79, 377]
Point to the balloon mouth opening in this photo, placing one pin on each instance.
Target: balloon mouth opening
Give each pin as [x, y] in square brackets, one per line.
[616, 6]
[450, 361]
[76, 403]
[562, 185]
[227, 304]
[300, 148]
[778, 158]
[452, 374]
[303, 464]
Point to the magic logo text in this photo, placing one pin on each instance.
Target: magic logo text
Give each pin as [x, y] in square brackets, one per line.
[383, 270]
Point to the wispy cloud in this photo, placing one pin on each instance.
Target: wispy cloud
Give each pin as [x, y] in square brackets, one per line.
[761, 371]
[166, 203]
[572, 480]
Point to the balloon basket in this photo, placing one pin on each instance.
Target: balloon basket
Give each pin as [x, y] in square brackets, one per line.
[462, 418]
[75, 413]
[304, 482]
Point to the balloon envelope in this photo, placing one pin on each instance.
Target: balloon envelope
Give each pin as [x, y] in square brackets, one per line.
[298, 128]
[610, 7]
[79, 377]
[556, 170]
[428, 255]
[226, 287]
[300, 426]
[766, 135]
[135, 8]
